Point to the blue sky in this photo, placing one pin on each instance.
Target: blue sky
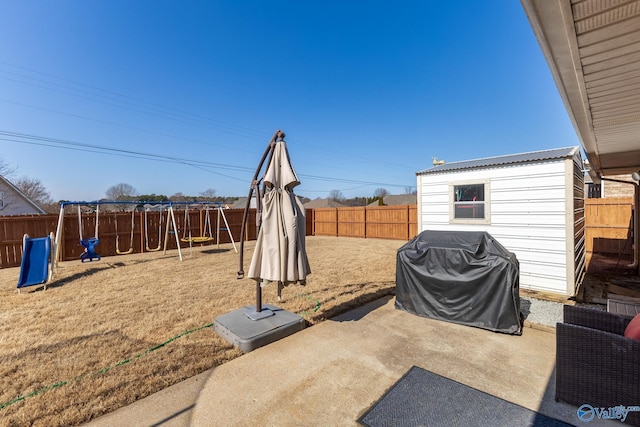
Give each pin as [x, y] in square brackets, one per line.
[366, 91]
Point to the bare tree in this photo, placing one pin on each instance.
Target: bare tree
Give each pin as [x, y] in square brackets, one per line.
[34, 190]
[6, 170]
[380, 193]
[208, 195]
[336, 195]
[121, 192]
[178, 197]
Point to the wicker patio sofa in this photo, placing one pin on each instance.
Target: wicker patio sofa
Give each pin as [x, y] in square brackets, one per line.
[595, 364]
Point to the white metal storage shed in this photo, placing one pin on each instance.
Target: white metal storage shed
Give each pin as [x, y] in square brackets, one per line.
[532, 203]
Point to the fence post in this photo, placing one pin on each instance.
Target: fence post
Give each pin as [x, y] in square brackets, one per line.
[365, 223]
[142, 235]
[408, 223]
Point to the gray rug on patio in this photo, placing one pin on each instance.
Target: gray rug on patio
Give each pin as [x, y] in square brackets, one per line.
[422, 398]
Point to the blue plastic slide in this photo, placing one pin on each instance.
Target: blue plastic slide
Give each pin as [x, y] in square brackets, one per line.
[34, 269]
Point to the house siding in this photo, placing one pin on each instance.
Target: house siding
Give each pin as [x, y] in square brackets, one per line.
[528, 215]
[14, 203]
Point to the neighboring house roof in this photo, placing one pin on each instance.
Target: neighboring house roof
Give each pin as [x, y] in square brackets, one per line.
[530, 157]
[400, 199]
[241, 203]
[27, 206]
[323, 203]
[396, 200]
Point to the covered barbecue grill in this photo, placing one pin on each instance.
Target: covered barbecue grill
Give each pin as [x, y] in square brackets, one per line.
[463, 277]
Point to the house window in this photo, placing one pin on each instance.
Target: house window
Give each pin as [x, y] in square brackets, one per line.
[1, 199]
[594, 191]
[470, 202]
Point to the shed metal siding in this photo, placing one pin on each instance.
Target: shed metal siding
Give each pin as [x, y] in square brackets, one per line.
[528, 208]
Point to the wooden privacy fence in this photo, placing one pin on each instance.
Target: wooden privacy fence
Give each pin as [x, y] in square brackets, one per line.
[117, 225]
[13, 228]
[382, 222]
[608, 225]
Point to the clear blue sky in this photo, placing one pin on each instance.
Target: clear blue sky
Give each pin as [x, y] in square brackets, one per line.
[366, 91]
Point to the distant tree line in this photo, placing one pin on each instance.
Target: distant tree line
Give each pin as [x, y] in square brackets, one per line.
[378, 196]
[126, 192]
[37, 192]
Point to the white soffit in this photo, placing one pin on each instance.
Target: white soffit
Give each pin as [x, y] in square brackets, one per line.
[593, 51]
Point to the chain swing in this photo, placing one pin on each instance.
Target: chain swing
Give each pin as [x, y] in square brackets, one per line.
[146, 231]
[133, 223]
[89, 243]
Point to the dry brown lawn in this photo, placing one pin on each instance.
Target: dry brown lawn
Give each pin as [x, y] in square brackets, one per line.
[107, 333]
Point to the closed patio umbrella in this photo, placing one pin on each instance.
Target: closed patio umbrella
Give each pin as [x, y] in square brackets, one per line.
[280, 256]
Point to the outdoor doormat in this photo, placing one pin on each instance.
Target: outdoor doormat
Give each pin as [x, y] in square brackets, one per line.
[422, 398]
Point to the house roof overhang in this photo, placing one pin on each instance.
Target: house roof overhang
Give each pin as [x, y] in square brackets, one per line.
[593, 51]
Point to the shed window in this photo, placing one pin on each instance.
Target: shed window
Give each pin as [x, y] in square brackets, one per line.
[470, 202]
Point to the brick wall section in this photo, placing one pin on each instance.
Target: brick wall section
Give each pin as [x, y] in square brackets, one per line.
[618, 189]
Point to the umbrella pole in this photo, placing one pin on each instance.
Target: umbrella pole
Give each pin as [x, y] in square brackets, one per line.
[258, 297]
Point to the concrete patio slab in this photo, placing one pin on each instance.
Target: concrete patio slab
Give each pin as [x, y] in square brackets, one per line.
[331, 373]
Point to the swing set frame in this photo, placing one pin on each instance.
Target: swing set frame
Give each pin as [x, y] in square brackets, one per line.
[171, 227]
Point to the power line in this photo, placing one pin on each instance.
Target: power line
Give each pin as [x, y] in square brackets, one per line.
[103, 149]
[115, 124]
[210, 167]
[123, 99]
[150, 108]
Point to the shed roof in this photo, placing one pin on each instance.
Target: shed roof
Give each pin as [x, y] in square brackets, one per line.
[511, 159]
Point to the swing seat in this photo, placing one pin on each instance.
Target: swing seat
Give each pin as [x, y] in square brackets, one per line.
[199, 239]
[89, 249]
[119, 252]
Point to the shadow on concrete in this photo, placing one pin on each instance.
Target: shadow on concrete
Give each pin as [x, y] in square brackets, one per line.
[174, 416]
[350, 314]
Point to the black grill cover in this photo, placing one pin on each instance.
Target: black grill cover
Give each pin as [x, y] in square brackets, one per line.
[464, 277]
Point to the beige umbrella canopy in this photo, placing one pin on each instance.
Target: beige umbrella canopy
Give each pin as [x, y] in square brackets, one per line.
[280, 255]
